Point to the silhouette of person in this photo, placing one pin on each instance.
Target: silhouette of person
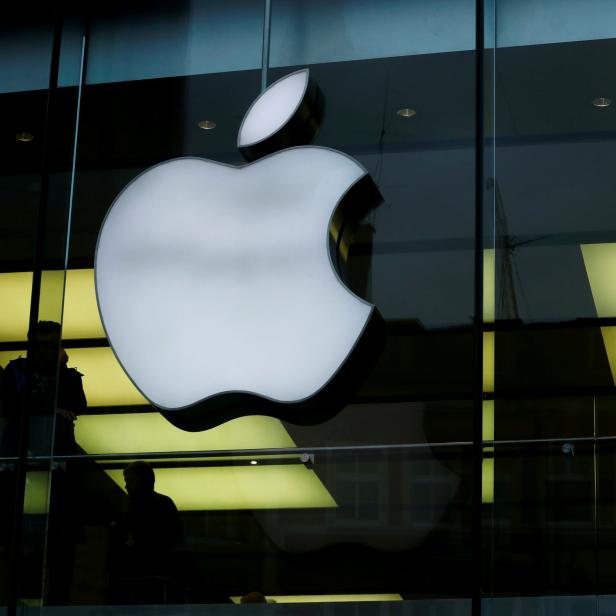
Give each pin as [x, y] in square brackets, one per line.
[51, 393]
[55, 389]
[150, 535]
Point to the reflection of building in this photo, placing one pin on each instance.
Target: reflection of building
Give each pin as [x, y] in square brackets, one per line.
[377, 515]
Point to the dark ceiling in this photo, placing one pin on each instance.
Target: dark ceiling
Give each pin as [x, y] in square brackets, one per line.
[543, 93]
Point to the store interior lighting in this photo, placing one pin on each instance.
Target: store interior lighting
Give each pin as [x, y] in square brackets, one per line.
[600, 264]
[81, 318]
[327, 598]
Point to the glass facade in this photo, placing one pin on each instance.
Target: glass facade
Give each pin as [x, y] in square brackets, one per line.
[470, 472]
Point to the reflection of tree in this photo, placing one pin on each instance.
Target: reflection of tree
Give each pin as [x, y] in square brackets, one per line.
[508, 277]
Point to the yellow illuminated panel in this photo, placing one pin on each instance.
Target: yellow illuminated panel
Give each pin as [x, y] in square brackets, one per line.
[7, 356]
[488, 420]
[215, 488]
[105, 384]
[104, 381]
[487, 481]
[290, 486]
[609, 340]
[15, 289]
[489, 285]
[37, 490]
[150, 432]
[326, 598]
[231, 487]
[600, 263]
[81, 318]
[488, 362]
[52, 293]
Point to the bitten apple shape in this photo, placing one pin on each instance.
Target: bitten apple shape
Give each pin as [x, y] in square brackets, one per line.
[215, 283]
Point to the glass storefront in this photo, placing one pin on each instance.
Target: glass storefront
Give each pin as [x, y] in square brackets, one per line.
[470, 471]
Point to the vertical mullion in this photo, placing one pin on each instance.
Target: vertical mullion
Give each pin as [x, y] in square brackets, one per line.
[267, 24]
[477, 526]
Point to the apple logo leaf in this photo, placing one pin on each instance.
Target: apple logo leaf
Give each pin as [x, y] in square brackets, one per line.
[288, 113]
[221, 288]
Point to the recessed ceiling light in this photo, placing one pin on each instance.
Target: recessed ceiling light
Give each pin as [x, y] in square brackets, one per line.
[24, 136]
[207, 124]
[602, 102]
[406, 112]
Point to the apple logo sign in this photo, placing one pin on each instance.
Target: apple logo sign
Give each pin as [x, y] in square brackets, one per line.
[220, 287]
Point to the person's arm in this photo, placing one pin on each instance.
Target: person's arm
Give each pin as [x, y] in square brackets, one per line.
[72, 401]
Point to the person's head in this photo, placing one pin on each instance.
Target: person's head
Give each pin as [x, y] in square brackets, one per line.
[253, 597]
[44, 339]
[139, 477]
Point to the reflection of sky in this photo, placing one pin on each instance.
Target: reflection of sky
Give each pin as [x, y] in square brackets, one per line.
[196, 37]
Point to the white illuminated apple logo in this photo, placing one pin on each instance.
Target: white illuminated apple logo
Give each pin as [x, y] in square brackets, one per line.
[215, 283]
